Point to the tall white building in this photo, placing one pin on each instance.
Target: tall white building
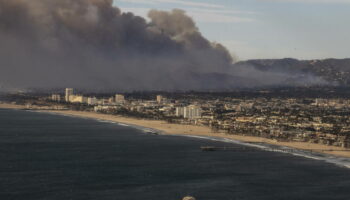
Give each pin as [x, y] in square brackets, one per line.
[189, 112]
[159, 98]
[69, 92]
[180, 111]
[119, 98]
[192, 112]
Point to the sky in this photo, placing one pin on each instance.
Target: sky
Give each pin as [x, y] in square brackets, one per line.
[258, 29]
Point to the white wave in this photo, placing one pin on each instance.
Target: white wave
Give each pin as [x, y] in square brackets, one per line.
[121, 124]
[141, 128]
[339, 161]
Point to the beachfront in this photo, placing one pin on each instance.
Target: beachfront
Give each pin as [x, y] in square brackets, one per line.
[179, 129]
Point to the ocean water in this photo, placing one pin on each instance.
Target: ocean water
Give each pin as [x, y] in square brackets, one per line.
[45, 156]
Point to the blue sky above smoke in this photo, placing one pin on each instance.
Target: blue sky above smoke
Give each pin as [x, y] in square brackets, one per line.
[305, 29]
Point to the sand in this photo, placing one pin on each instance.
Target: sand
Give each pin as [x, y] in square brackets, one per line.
[179, 129]
[11, 106]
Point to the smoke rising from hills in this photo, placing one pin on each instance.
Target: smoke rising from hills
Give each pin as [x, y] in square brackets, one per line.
[92, 44]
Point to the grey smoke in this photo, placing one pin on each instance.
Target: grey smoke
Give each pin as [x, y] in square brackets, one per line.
[277, 78]
[92, 44]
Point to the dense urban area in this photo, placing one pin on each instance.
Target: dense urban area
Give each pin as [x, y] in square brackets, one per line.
[298, 118]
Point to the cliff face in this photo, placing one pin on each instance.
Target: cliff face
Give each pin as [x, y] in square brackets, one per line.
[335, 71]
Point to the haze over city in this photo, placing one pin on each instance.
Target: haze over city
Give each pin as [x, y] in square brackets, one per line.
[94, 44]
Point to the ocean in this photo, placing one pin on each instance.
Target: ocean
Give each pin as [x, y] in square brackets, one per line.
[46, 156]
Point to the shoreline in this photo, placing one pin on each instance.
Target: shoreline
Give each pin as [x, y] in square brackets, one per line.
[165, 128]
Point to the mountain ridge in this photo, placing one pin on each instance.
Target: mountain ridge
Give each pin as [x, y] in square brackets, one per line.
[335, 71]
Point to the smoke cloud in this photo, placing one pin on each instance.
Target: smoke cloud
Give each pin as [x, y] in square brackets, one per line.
[91, 44]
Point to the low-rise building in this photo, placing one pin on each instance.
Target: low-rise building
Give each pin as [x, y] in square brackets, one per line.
[119, 98]
[56, 97]
[77, 99]
[92, 101]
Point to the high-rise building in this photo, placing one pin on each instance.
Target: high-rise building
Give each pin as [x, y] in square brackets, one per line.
[69, 92]
[119, 98]
[189, 112]
[180, 111]
[159, 98]
[192, 112]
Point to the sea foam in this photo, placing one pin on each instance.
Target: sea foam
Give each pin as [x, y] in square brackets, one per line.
[339, 161]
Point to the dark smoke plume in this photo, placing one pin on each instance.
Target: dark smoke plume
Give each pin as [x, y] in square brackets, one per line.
[93, 45]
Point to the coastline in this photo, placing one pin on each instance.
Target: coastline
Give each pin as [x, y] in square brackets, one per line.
[192, 130]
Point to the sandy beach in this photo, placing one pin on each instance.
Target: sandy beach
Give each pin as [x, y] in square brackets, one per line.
[11, 106]
[179, 129]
